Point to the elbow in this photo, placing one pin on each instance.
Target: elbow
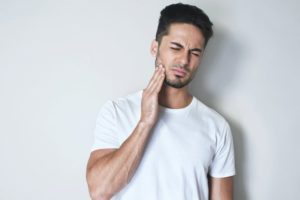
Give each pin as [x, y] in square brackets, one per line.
[97, 191]
[95, 195]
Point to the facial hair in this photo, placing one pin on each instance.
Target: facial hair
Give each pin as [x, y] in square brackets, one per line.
[175, 83]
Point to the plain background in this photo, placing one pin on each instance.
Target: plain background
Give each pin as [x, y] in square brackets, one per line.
[61, 60]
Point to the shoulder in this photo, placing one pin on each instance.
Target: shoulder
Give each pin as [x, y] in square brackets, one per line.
[211, 116]
[130, 100]
[123, 103]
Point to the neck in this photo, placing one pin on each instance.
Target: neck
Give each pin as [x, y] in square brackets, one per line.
[174, 98]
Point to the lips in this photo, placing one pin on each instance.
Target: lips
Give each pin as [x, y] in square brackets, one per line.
[179, 72]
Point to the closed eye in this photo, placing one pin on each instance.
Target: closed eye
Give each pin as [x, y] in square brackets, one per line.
[195, 54]
[176, 49]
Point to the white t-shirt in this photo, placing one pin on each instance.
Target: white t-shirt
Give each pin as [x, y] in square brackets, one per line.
[186, 145]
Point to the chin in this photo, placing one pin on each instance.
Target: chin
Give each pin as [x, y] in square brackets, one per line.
[176, 84]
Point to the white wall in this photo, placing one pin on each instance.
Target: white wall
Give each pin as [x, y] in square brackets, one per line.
[61, 60]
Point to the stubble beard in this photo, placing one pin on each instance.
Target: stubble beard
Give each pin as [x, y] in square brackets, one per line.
[175, 83]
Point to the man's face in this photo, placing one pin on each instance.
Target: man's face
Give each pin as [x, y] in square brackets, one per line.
[180, 52]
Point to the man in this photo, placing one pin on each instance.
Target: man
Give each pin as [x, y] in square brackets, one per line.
[162, 143]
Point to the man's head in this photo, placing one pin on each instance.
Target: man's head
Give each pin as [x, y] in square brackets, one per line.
[183, 13]
[182, 34]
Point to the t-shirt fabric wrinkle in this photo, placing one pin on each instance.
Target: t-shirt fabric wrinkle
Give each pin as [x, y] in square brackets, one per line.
[185, 146]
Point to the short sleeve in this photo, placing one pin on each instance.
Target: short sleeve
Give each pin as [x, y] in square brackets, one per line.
[106, 128]
[223, 164]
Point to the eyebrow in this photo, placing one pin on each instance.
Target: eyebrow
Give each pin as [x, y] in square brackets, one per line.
[181, 46]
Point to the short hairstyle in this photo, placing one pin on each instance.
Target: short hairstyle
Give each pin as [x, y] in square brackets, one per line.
[183, 13]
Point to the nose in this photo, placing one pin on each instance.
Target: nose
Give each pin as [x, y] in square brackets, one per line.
[184, 59]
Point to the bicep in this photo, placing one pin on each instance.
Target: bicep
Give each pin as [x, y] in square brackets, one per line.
[221, 188]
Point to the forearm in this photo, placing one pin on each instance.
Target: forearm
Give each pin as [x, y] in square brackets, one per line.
[109, 174]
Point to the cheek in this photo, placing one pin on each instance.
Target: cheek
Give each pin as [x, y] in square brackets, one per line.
[196, 63]
[166, 59]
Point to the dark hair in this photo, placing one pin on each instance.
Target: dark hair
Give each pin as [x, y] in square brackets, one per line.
[183, 13]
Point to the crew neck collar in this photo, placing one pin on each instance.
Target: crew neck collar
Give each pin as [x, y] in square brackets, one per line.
[175, 110]
[178, 110]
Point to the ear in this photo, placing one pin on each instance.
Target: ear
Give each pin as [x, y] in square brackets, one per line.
[154, 48]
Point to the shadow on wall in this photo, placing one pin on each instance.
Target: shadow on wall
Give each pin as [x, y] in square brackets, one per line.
[217, 71]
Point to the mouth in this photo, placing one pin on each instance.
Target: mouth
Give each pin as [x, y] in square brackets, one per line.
[179, 72]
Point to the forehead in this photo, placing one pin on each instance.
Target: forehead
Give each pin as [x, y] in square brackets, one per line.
[186, 34]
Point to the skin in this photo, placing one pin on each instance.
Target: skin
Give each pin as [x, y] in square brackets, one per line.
[179, 49]
[109, 170]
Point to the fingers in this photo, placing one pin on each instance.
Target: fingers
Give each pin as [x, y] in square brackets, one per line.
[157, 80]
[154, 76]
[156, 87]
[160, 81]
[150, 96]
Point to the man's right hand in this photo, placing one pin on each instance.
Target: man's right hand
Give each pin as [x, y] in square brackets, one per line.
[150, 106]
[109, 170]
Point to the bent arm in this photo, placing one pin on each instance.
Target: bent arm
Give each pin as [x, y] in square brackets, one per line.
[109, 170]
[221, 188]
